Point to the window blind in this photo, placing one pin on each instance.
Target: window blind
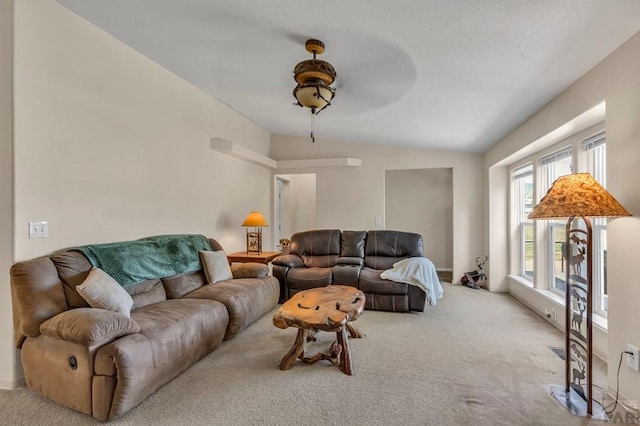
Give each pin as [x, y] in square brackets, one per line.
[594, 141]
[522, 171]
[556, 156]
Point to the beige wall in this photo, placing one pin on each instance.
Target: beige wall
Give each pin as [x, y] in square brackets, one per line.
[8, 376]
[110, 146]
[421, 201]
[615, 80]
[298, 203]
[350, 198]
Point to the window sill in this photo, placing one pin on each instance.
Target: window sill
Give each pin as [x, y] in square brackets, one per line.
[521, 280]
[599, 321]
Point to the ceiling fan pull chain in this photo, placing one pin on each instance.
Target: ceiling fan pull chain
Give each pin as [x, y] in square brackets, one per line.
[313, 138]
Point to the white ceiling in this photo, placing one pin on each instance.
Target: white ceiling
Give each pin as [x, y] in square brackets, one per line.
[450, 74]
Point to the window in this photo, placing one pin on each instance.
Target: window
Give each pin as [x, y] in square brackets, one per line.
[553, 166]
[597, 166]
[597, 158]
[522, 190]
[538, 251]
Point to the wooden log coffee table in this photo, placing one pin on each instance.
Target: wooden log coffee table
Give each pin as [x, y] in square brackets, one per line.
[329, 309]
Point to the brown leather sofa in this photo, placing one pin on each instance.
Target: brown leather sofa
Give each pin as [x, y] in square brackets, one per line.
[319, 258]
[102, 363]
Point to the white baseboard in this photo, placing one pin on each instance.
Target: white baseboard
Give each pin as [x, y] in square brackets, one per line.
[10, 385]
[629, 414]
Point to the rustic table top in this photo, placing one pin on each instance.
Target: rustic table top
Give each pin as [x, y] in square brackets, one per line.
[323, 308]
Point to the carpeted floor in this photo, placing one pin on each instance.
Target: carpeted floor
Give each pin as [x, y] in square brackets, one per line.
[477, 358]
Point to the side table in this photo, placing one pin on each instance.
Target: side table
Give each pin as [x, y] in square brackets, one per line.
[244, 257]
[329, 308]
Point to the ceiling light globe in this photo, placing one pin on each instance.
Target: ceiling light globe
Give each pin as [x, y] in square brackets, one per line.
[314, 95]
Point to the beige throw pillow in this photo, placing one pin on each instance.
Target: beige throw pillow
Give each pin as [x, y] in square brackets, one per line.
[216, 266]
[100, 290]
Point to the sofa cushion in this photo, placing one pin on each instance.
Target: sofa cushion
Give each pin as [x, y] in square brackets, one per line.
[172, 326]
[216, 266]
[352, 243]
[246, 299]
[73, 268]
[100, 290]
[147, 293]
[250, 270]
[88, 326]
[370, 282]
[384, 248]
[305, 278]
[179, 285]
[317, 248]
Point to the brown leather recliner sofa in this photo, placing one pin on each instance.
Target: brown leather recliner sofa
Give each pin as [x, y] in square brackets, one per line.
[319, 258]
[102, 363]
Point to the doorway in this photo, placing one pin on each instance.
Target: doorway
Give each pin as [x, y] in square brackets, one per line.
[421, 201]
[294, 205]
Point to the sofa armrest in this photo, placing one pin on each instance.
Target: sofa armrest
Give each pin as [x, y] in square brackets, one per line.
[358, 261]
[250, 270]
[289, 260]
[88, 326]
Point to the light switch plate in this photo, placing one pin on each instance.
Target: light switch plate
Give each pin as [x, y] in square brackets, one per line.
[38, 229]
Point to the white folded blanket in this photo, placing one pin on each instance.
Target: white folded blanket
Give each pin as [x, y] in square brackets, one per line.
[417, 271]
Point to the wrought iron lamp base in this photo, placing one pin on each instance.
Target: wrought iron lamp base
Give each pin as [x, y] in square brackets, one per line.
[576, 405]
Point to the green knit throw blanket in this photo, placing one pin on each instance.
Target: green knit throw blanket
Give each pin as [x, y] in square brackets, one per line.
[130, 262]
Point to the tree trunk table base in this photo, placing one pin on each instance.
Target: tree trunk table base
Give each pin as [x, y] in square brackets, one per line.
[328, 309]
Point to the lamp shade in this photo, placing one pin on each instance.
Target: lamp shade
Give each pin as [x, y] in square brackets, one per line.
[255, 219]
[578, 194]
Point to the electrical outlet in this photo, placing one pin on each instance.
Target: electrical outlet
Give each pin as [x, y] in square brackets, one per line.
[38, 229]
[633, 361]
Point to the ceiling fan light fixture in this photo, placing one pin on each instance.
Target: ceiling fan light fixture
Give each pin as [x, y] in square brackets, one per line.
[314, 77]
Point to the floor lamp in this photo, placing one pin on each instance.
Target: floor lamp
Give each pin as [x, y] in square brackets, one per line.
[578, 197]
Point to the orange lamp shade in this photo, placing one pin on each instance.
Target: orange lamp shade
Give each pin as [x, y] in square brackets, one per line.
[255, 219]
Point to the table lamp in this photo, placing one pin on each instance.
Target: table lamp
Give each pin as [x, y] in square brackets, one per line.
[254, 238]
[578, 197]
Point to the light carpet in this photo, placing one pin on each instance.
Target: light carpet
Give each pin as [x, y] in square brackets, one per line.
[476, 358]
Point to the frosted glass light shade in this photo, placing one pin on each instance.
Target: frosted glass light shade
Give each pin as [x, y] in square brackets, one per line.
[315, 96]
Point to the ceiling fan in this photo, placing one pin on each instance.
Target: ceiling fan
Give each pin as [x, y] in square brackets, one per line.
[371, 81]
[314, 78]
